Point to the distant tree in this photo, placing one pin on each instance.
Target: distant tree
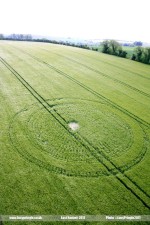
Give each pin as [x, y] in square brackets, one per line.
[1, 36]
[20, 37]
[105, 46]
[138, 53]
[94, 48]
[141, 54]
[138, 43]
[146, 55]
[12, 36]
[27, 37]
[122, 53]
[133, 57]
[114, 46]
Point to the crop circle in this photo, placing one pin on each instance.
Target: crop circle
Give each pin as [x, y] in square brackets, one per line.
[105, 133]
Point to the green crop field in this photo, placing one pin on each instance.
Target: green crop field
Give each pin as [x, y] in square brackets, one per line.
[75, 129]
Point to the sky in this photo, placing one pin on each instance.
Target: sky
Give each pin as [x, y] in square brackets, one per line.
[87, 19]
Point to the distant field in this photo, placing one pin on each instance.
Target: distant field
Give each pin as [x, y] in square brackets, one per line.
[98, 167]
[129, 51]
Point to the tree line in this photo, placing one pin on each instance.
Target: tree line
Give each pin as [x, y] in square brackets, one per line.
[140, 54]
[112, 47]
[28, 37]
[19, 37]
